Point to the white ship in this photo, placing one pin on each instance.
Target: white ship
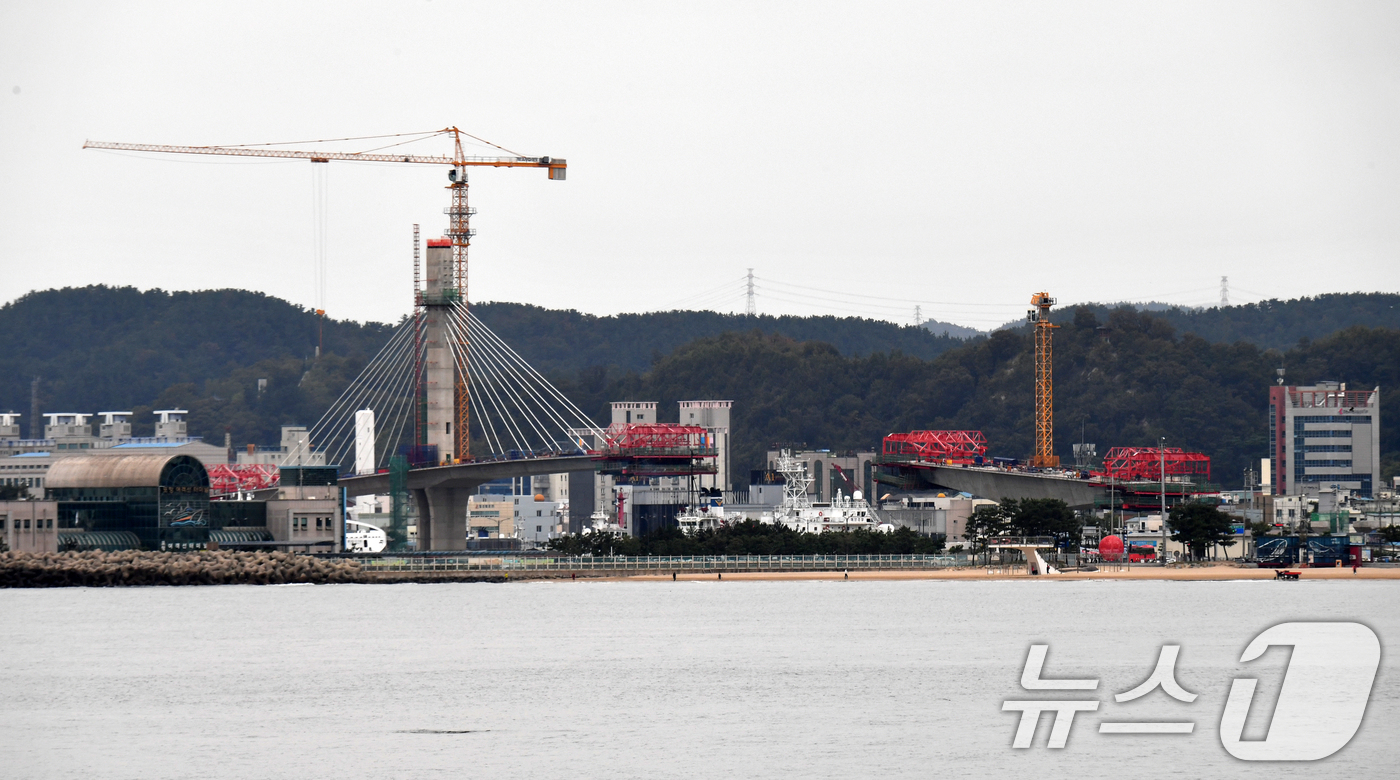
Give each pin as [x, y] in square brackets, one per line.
[363, 537]
[706, 518]
[601, 523]
[842, 513]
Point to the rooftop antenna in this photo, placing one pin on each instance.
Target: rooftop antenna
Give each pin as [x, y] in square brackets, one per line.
[1279, 371]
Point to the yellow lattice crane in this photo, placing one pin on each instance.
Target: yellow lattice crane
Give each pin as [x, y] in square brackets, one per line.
[1039, 318]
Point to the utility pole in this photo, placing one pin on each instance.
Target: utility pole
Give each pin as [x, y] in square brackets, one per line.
[749, 308]
[1162, 454]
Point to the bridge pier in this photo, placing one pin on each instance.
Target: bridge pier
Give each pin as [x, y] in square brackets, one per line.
[442, 517]
[441, 492]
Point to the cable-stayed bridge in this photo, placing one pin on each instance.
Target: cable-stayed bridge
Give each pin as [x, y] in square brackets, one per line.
[453, 406]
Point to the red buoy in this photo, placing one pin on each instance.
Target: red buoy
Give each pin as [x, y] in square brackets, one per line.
[1111, 548]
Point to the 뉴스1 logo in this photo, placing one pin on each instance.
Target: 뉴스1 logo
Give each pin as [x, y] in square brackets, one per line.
[1320, 704]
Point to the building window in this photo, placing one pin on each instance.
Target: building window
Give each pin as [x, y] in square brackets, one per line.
[539, 529]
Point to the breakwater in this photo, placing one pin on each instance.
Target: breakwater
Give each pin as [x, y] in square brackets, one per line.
[210, 567]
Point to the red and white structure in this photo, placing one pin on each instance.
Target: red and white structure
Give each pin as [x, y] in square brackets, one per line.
[958, 447]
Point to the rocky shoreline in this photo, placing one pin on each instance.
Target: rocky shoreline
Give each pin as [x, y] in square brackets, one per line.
[211, 567]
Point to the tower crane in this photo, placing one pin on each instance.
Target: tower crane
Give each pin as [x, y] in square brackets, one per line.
[1039, 317]
[459, 214]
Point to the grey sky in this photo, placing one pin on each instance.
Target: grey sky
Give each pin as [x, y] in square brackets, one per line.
[956, 155]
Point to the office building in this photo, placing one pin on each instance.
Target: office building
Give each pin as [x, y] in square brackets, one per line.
[1324, 436]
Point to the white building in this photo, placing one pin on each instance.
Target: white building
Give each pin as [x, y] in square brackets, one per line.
[1323, 436]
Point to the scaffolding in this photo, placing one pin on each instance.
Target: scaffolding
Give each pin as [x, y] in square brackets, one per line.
[398, 504]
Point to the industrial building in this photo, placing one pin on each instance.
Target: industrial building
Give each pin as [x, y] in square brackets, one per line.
[1324, 436]
[27, 462]
[161, 501]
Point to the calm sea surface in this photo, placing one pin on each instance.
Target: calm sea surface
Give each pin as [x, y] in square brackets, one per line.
[645, 680]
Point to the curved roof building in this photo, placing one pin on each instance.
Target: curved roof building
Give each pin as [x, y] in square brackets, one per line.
[163, 500]
[127, 471]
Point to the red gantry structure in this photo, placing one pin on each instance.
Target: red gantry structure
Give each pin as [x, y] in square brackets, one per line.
[1146, 464]
[1135, 475]
[956, 447]
[656, 450]
[228, 480]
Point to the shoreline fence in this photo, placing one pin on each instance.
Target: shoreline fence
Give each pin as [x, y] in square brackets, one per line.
[662, 563]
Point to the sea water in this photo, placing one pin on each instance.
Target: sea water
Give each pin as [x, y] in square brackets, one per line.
[691, 679]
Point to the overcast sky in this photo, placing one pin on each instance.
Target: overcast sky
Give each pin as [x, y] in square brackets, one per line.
[863, 158]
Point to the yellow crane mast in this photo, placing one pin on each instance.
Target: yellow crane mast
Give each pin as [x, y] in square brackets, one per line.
[1039, 318]
[459, 214]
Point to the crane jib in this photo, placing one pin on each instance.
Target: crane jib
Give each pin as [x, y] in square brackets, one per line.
[555, 165]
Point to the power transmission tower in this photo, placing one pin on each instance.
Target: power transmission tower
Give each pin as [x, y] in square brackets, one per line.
[918, 315]
[749, 308]
[1224, 291]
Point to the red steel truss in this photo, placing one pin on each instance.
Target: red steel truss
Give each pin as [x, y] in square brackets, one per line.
[656, 449]
[226, 480]
[629, 438]
[953, 446]
[1144, 464]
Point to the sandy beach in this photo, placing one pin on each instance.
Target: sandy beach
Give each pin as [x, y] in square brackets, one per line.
[1185, 573]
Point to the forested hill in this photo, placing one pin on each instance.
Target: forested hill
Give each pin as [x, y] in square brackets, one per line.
[104, 348]
[1127, 380]
[1275, 324]
[1126, 377]
[566, 341]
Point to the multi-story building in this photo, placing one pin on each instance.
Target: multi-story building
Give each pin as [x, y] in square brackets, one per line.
[494, 516]
[1324, 436]
[713, 416]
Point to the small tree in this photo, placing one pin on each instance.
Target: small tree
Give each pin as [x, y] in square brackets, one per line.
[987, 522]
[1199, 525]
[1047, 517]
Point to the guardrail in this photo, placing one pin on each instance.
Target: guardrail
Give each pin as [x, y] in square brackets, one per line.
[711, 563]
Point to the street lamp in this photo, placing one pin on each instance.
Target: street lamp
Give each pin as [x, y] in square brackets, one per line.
[1162, 454]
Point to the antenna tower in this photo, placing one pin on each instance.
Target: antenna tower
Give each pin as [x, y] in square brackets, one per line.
[1224, 291]
[1039, 318]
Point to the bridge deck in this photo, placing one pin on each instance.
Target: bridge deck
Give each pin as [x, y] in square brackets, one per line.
[468, 475]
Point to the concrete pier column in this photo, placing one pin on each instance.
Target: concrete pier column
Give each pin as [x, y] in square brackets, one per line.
[442, 517]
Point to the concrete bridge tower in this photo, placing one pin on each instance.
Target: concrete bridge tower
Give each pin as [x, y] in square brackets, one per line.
[440, 294]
